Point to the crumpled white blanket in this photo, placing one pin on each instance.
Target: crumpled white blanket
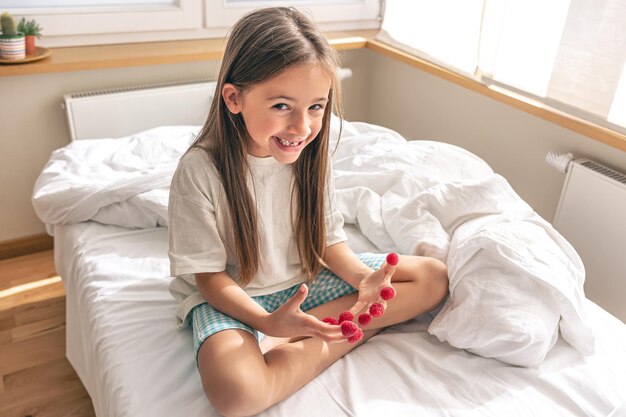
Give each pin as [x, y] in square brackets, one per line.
[514, 281]
[124, 181]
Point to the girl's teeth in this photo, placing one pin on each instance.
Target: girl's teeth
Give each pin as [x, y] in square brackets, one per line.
[287, 143]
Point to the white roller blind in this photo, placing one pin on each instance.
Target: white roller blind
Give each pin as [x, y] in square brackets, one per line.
[444, 31]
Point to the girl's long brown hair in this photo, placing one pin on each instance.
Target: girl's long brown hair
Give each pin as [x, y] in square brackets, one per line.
[261, 46]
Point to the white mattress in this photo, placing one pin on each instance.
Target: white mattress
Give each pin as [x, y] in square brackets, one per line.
[124, 344]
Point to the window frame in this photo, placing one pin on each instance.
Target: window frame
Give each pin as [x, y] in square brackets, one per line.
[329, 15]
[189, 19]
[87, 21]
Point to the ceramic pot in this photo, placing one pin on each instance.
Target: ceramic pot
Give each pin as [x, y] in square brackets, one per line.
[13, 47]
[30, 44]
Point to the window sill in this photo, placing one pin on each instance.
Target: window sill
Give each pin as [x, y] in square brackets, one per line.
[155, 53]
[575, 124]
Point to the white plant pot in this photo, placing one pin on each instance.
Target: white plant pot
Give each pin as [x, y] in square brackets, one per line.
[13, 47]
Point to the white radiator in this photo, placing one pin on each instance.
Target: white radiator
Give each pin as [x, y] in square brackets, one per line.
[120, 112]
[591, 215]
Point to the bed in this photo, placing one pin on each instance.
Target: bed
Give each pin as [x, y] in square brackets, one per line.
[516, 337]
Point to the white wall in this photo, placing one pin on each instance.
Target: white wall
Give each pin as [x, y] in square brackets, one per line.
[32, 124]
[514, 143]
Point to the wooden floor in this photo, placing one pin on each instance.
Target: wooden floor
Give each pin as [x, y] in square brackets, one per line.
[35, 377]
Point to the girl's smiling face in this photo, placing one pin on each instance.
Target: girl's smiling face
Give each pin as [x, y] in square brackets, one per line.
[283, 114]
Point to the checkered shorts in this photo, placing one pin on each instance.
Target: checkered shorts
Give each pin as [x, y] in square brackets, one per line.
[206, 321]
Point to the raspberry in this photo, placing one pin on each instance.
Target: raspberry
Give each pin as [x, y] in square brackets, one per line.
[330, 320]
[349, 328]
[346, 316]
[392, 258]
[365, 319]
[387, 293]
[356, 337]
[377, 310]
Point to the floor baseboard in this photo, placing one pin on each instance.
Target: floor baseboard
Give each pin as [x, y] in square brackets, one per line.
[25, 246]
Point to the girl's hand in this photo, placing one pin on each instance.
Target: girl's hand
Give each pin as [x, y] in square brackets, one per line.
[370, 289]
[289, 321]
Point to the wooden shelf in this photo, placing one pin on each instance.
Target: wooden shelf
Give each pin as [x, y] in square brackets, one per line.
[82, 58]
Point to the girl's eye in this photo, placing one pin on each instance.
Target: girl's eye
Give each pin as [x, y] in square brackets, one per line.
[316, 107]
[281, 106]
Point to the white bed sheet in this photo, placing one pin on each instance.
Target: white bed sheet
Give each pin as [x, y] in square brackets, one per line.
[124, 344]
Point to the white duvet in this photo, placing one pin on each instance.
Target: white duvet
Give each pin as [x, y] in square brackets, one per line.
[514, 281]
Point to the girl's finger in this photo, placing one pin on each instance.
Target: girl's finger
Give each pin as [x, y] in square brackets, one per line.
[358, 307]
[298, 298]
[317, 326]
[332, 338]
[390, 265]
[389, 271]
[328, 333]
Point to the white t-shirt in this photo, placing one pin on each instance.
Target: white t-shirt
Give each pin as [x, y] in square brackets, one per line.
[200, 234]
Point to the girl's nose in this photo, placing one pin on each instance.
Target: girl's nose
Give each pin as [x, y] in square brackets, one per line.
[299, 125]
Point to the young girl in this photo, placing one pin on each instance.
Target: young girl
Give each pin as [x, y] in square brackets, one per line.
[253, 218]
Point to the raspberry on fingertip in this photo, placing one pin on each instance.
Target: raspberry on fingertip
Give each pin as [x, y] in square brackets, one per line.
[377, 310]
[356, 336]
[365, 319]
[387, 293]
[330, 320]
[346, 316]
[392, 258]
[349, 328]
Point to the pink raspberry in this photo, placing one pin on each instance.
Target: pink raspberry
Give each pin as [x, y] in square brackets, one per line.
[349, 328]
[330, 320]
[346, 316]
[377, 310]
[392, 258]
[387, 293]
[365, 319]
[356, 336]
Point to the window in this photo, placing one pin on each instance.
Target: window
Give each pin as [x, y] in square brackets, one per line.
[90, 22]
[329, 14]
[88, 17]
[569, 54]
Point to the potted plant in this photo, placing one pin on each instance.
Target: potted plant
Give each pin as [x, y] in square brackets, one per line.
[12, 42]
[32, 31]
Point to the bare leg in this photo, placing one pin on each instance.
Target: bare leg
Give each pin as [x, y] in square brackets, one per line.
[239, 379]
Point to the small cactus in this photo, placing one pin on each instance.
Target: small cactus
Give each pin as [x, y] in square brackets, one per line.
[8, 25]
